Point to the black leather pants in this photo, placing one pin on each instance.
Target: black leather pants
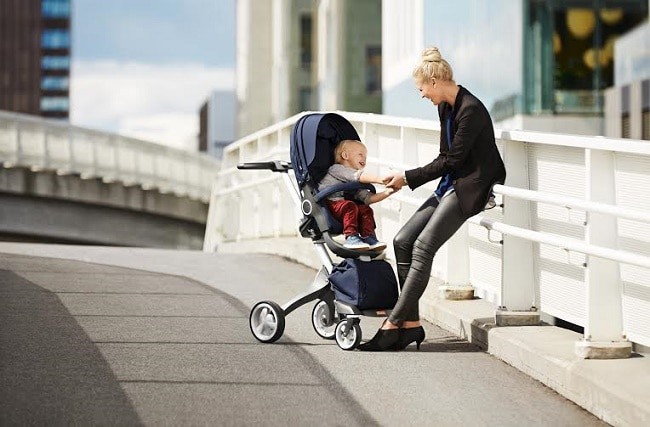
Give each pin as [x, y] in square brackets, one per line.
[415, 246]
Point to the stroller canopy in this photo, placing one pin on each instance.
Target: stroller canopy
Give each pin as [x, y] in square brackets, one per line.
[313, 140]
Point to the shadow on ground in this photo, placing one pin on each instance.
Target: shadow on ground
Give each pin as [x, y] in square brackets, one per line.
[49, 368]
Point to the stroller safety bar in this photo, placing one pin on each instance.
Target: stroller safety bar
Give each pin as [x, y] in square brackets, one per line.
[345, 187]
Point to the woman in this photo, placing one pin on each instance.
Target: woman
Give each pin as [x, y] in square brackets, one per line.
[468, 166]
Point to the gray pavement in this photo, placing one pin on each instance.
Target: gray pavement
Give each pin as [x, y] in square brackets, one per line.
[161, 338]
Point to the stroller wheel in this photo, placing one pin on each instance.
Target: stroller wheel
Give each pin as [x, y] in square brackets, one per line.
[266, 321]
[348, 337]
[323, 321]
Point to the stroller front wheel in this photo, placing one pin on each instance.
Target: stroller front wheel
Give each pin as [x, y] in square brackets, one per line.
[266, 321]
[348, 334]
[323, 321]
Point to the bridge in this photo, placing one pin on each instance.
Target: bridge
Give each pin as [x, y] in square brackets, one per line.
[568, 246]
[63, 183]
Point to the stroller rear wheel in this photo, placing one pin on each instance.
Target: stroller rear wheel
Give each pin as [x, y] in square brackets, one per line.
[348, 334]
[323, 321]
[266, 321]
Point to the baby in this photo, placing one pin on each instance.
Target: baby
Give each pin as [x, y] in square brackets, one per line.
[356, 215]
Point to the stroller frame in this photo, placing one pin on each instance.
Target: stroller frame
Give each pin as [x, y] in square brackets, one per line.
[331, 319]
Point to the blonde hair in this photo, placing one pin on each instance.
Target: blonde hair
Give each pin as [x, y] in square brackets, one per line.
[433, 66]
[341, 146]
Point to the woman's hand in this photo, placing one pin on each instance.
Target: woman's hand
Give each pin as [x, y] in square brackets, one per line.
[395, 180]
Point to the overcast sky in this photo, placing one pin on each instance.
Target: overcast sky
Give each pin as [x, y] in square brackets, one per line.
[144, 67]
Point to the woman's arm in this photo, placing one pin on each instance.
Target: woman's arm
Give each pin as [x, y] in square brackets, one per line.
[470, 123]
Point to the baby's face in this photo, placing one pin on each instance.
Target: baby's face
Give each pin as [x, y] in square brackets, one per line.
[357, 156]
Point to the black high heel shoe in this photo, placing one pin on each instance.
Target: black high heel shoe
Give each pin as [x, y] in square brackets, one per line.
[384, 339]
[409, 335]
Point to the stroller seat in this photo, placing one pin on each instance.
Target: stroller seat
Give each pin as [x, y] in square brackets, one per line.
[313, 141]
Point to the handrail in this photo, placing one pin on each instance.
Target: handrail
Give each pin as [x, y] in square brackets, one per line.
[571, 202]
[564, 243]
[550, 239]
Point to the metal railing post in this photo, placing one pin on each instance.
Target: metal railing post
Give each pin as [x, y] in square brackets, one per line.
[518, 305]
[603, 334]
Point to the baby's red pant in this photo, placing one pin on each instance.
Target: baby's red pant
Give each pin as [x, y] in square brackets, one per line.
[355, 217]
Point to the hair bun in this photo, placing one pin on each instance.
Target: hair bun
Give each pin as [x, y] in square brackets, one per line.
[431, 54]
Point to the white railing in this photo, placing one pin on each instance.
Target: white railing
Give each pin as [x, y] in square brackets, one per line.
[40, 144]
[572, 238]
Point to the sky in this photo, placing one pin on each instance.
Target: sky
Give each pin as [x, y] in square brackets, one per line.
[143, 68]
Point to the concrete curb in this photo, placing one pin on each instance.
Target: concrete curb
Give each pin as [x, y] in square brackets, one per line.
[613, 390]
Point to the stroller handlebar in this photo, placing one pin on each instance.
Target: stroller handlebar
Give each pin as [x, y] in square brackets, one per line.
[274, 165]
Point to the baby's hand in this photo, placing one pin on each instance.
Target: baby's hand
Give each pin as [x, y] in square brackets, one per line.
[385, 180]
[391, 190]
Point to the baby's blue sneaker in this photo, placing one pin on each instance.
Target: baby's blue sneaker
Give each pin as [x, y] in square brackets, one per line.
[355, 242]
[374, 244]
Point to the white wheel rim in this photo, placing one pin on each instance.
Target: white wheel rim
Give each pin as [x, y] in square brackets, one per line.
[345, 342]
[321, 318]
[264, 322]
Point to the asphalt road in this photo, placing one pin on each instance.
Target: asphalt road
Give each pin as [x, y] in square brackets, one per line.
[90, 344]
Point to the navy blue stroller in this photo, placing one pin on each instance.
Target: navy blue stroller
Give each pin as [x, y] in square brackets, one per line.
[313, 140]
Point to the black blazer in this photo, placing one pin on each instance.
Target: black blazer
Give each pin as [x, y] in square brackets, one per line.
[473, 158]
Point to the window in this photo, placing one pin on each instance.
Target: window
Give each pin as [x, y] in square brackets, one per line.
[373, 70]
[305, 99]
[305, 41]
[55, 83]
[570, 51]
[55, 39]
[55, 8]
[645, 110]
[55, 63]
[625, 112]
[55, 103]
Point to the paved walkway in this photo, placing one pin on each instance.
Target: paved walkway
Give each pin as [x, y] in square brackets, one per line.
[168, 344]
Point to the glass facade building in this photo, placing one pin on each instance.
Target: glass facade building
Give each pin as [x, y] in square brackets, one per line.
[569, 51]
[35, 57]
[520, 57]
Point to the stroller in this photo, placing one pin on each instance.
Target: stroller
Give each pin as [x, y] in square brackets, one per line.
[313, 139]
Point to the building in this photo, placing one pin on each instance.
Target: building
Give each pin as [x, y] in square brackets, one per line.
[35, 57]
[349, 64]
[254, 59]
[217, 122]
[536, 64]
[627, 103]
[299, 55]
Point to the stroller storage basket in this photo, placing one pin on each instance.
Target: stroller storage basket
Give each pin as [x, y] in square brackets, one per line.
[364, 284]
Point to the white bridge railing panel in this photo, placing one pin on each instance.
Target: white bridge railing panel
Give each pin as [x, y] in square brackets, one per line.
[550, 195]
[559, 171]
[40, 144]
[632, 179]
